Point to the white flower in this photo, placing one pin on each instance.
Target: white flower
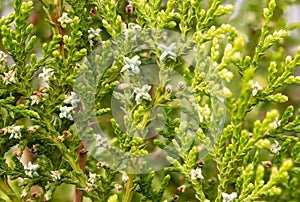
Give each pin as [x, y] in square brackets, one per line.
[255, 88]
[3, 56]
[94, 34]
[181, 188]
[275, 148]
[133, 29]
[9, 77]
[24, 193]
[181, 85]
[89, 187]
[34, 99]
[142, 93]
[134, 26]
[92, 178]
[132, 64]
[55, 175]
[73, 100]
[229, 197]
[46, 74]
[168, 88]
[64, 20]
[195, 174]
[125, 178]
[65, 112]
[275, 124]
[15, 132]
[30, 169]
[167, 51]
[47, 196]
[119, 188]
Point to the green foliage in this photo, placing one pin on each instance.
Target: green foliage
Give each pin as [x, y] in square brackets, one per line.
[44, 121]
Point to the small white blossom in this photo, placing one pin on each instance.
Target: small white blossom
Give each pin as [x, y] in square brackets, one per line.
[89, 187]
[275, 124]
[131, 64]
[92, 178]
[168, 88]
[46, 74]
[47, 196]
[142, 93]
[73, 100]
[255, 88]
[55, 175]
[15, 132]
[34, 99]
[64, 20]
[94, 35]
[125, 178]
[229, 197]
[181, 85]
[3, 56]
[167, 52]
[279, 34]
[181, 188]
[134, 26]
[9, 77]
[275, 148]
[66, 112]
[133, 29]
[30, 169]
[119, 188]
[24, 193]
[197, 174]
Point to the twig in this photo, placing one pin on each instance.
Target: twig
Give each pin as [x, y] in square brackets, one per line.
[82, 153]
